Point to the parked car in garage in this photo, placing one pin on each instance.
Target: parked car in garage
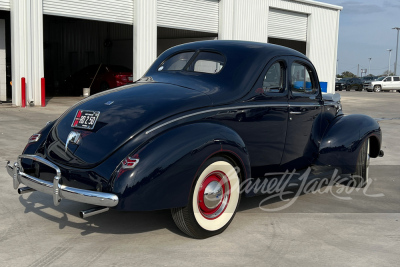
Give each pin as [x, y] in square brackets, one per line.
[98, 77]
[386, 83]
[173, 139]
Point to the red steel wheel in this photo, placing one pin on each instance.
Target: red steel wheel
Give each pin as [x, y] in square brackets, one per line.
[214, 199]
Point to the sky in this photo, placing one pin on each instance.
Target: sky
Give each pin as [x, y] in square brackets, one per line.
[365, 31]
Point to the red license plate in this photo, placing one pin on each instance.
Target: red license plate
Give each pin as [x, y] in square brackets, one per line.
[85, 119]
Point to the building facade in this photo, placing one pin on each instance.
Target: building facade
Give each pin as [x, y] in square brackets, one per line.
[52, 39]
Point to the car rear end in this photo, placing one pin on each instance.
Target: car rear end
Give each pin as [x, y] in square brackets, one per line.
[120, 76]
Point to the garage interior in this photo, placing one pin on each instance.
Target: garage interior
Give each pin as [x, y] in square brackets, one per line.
[5, 57]
[71, 44]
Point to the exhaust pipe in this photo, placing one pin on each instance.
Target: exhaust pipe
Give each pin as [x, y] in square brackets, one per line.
[24, 190]
[93, 211]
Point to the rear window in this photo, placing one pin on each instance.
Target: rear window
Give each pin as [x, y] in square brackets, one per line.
[177, 62]
[207, 62]
[204, 62]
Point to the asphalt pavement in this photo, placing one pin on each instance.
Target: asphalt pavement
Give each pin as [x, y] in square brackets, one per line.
[332, 227]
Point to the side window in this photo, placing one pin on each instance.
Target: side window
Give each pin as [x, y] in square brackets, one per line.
[388, 79]
[274, 80]
[207, 62]
[301, 82]
[177, 62]
[396, 79]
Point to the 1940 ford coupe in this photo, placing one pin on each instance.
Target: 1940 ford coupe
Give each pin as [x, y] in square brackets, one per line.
[206, 117]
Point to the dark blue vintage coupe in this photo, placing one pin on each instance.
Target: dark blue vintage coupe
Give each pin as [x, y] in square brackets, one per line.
[206, 117]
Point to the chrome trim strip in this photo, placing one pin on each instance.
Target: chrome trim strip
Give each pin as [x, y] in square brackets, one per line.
[226, 108]
[58, 191]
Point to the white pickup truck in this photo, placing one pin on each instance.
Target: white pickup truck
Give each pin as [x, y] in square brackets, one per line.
[383, 84]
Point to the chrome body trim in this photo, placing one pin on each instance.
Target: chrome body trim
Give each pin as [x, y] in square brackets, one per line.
[228, 108]
[56, 189]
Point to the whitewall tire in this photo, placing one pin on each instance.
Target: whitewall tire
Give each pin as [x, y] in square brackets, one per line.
[213, 201]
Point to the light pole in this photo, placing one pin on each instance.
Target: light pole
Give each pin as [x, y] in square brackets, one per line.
[369, 67]
[390, 54]
[397, 48]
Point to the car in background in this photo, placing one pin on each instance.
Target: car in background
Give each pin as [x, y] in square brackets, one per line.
[349, 84]
[354, 84]
[385, 83]
[108, 76]
[341, 84]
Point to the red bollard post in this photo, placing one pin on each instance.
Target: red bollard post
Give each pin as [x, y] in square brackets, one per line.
[43, 93]
[23, 92]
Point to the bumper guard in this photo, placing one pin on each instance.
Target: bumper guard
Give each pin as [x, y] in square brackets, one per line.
[58, 191]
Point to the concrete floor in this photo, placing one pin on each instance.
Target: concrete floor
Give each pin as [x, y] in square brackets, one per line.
[317, 230]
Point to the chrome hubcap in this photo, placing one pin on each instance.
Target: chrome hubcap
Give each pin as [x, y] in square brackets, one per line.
[213, 195]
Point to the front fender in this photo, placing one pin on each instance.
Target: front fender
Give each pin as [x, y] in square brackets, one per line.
[343, 138]
[169, 163]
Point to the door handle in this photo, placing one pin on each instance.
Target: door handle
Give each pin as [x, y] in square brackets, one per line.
[295, 112]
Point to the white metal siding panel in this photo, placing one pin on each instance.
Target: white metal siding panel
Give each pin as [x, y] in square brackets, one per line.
[244, 20]
[5, 5]
[144, 36]
[195, 15]
[287, 25]
[118, 11]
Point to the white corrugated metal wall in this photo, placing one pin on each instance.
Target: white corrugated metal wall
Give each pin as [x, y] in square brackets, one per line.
[248, 20]
[5, 5]
[195, 15]
[119, 11]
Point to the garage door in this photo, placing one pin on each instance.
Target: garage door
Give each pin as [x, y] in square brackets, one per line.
[195, 15]
[287, 25]
[119, 11]
[5, 5]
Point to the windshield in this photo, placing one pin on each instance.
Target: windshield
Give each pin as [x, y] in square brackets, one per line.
[380, 78]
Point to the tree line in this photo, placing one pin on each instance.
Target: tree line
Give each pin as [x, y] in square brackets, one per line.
[349, 74]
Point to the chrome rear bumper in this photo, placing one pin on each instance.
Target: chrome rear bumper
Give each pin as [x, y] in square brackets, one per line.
[58, 191]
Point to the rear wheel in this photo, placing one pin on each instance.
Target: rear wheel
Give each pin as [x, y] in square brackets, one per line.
[213, 201]
[377, 88]
[360, 177]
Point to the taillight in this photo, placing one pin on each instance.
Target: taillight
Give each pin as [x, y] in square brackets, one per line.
[130, 162]
[34, 138]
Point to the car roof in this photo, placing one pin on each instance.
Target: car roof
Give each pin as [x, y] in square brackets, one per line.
[244, 63]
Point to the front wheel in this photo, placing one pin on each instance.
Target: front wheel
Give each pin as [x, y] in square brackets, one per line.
[213, 201]
[377, 88]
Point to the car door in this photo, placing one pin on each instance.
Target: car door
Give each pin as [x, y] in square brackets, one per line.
[396, 83]
[305, 109]
[262, 123]
[387, 83]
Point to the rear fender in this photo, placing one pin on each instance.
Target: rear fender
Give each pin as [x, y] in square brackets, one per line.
[343, 139]
[169, 164]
